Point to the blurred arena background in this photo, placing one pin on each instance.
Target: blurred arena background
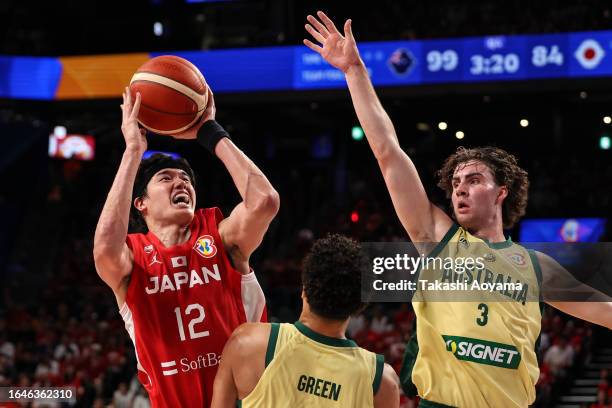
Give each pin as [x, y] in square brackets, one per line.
[59, 323]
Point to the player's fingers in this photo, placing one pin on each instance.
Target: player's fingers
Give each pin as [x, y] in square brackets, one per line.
[331, 27]
[124, 107]
[317, 35]
[313, 46]
[348, 29]
[128, 100]
[136, 109]
[316, 24]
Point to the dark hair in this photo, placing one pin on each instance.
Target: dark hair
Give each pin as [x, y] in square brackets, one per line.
[506, 172]
[331, 277]
[146, 171]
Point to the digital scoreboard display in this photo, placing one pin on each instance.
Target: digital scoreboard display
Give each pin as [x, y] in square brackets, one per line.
[289, 68]
[493, 58]
[562, 230]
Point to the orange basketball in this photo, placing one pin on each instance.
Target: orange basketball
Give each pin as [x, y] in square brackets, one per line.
[173, 94]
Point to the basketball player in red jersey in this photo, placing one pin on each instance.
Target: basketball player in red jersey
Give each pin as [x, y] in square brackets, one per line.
[185, 285]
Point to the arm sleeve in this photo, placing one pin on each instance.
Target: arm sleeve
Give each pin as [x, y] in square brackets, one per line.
[253, 297]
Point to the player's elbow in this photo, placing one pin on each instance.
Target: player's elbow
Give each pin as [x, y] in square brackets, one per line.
[386, 152]
[102, 252]
[106, 258]
[268, 203]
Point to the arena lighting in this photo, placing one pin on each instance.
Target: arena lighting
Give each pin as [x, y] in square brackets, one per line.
[442, 126]
[459, 135]
[354, 217]
[60, 132]
[604, 142]
[524, 123]
[422, 126]
[158, 29]
[607, 120]
[583, 95]
[357, 133]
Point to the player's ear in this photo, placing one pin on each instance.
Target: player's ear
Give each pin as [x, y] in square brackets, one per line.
[139, 203]
[502, 194]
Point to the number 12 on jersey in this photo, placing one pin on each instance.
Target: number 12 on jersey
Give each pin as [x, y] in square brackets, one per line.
[193, 334]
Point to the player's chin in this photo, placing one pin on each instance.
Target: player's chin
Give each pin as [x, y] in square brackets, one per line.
[465, 220]
[182, 212]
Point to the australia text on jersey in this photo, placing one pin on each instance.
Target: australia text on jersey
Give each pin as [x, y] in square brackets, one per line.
[499, 280]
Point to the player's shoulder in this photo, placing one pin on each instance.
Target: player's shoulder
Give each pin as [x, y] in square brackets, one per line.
[136, 240]
[210, 213]
[249, 336]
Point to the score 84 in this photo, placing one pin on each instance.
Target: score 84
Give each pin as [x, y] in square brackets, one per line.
[542, 56]
[446, 60]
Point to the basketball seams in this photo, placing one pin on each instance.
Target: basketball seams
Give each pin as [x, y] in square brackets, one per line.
[173, 89]
[167, 103]
[180, 88]
[173, 131]
[168, 113]
[188, 64]
[176, 80]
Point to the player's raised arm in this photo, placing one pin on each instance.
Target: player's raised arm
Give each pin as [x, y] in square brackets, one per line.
[557, 280]
[112, 256]
[422, 220]
[244, 229]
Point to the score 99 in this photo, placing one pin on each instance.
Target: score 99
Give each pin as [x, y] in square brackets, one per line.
[446, 60]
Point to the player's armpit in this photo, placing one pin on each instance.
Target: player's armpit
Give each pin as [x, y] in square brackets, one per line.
[388, 395]
[558, 283]
[595, 312]
[247, 224]
[423, 221]
[113, 266]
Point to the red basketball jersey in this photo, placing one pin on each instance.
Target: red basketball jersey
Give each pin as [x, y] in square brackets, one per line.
[182, 304]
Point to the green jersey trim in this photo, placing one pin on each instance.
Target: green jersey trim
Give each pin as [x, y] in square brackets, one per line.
[274, 328]
[423, 403]
[449, 234]
[499, 245]
[380, 366]
[320, 338]
[410, 356]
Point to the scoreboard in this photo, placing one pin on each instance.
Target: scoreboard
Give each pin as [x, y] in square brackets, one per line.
[493, 58]
[295, 68]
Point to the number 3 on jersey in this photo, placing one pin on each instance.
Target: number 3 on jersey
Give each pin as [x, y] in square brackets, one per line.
[199, 319]
[484, 317]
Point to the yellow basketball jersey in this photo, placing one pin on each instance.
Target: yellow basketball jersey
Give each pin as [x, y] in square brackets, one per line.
[307, 369]
[477, 349]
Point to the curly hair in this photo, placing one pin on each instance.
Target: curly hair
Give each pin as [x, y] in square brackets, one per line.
[331, 277]
[506, 172]
[146, 171]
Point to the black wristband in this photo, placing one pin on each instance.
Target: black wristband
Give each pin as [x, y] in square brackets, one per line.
[210, 134]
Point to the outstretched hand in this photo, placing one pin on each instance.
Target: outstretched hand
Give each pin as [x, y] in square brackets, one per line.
[340, 51]
[133, 134]
[208, 114]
